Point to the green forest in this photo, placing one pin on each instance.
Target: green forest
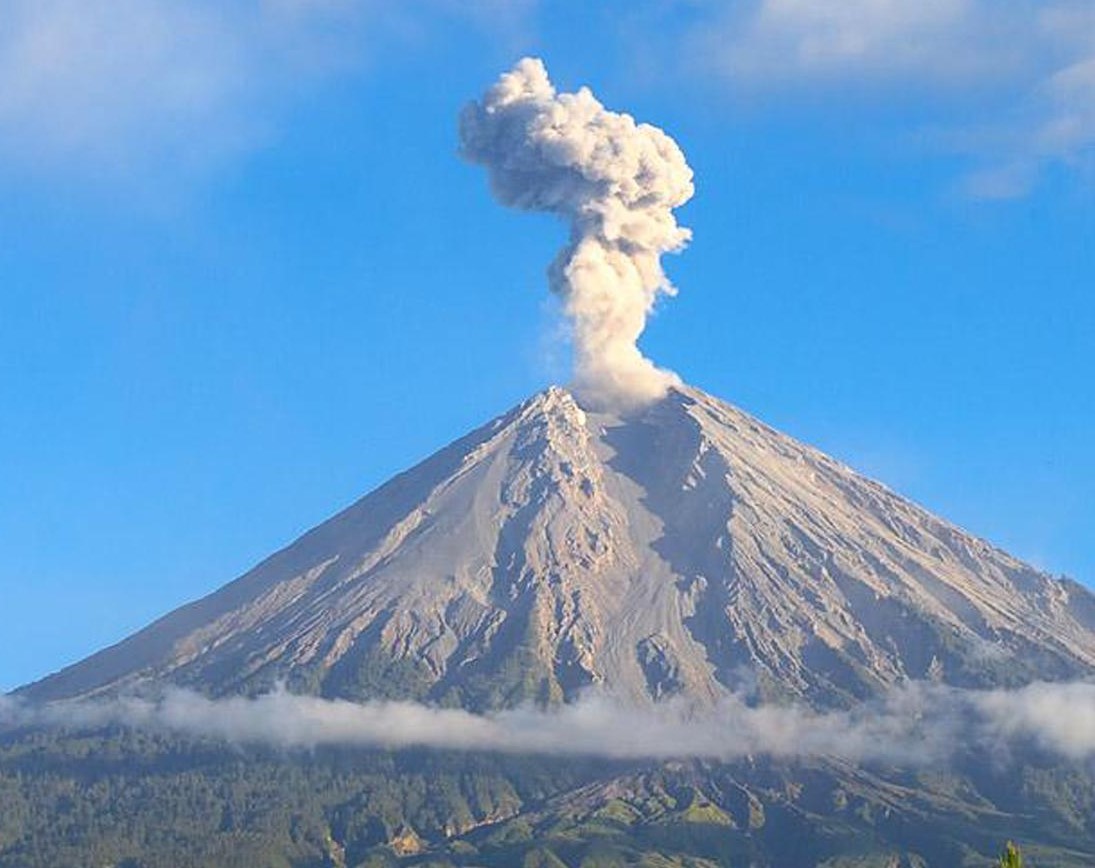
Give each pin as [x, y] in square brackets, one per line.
[129, 799]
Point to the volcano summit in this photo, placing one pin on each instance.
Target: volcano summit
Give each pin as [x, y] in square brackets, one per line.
[684, 550]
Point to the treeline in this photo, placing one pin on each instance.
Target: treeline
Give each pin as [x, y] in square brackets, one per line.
[128, 799]
[133, 799]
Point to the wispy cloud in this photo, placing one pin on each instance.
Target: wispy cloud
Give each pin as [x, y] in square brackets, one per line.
[872, 43]
[1023, 73]
[919, 724]
[133, 81]
[123, 86]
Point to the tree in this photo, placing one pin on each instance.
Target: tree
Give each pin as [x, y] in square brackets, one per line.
[1011, 857]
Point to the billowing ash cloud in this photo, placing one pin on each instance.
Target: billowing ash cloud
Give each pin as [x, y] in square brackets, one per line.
[617, 183]
[915, 725]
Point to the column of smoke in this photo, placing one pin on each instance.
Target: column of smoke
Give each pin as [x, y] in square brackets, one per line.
[617, 183]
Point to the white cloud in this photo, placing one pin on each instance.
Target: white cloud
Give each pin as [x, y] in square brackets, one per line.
[131, 80]
[792, 42]
[120, 86]
[1060, 717]
[919, 724]
[1071, 93]
[1022, 73]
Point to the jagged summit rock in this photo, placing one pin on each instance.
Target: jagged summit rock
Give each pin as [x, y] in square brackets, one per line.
[687, 549]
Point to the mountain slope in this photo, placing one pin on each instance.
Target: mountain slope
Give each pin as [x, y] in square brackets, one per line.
[686, 549]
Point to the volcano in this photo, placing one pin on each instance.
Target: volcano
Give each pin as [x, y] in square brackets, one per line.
[683, 552]
[685, 549]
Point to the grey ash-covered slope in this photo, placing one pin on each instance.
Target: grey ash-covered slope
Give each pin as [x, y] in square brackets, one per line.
[688, 549]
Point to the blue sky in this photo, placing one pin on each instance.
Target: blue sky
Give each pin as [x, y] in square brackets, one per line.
[246, 278]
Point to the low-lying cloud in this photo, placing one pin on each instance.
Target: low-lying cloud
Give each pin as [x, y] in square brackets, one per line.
[920, 724]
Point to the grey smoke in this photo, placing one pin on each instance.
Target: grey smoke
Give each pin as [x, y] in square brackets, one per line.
[616, 182]
[914, 725]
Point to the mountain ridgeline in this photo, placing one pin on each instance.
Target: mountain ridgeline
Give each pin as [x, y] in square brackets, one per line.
[684, 550]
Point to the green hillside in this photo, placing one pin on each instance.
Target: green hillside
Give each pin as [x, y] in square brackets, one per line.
[137, 800]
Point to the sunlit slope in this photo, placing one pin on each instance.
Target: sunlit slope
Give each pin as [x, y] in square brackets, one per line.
[685, 549]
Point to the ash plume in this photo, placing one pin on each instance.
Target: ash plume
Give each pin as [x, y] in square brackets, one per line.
[616, 182]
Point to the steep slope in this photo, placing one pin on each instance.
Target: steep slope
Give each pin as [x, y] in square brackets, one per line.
[686, 549]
